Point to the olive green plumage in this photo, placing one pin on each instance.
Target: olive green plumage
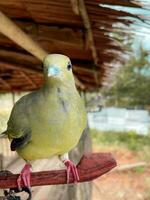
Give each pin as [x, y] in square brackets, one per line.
[51, 120]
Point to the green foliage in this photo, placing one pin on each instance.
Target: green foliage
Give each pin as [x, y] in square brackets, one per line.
[129, 139]
[132, 83]
[140, 170]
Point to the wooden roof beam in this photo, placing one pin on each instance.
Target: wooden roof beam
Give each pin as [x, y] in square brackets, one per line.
[79, 83]
[87, 25]
[17, 67]
[5, 83]
[75, 7]
[89, 34]
[132, 3]
[28, 79]
[19, 57]
[84, 69]
[13, 32]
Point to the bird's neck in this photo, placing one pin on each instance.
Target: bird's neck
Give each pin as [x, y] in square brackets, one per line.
[59, 86]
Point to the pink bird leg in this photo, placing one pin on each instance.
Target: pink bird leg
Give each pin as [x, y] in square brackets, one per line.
[71, 168]
[25, 177]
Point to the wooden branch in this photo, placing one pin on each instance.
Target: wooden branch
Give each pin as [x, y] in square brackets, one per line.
[90, 167]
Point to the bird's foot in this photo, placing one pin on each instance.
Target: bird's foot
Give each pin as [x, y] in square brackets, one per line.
[25, 177]
[71, 168]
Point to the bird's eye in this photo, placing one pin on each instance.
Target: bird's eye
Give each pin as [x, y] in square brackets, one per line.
[69, 66]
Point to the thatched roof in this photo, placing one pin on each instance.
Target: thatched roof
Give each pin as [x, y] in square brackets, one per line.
[79, 29]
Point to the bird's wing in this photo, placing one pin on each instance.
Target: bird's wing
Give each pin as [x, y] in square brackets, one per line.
[19, 130]
[21, 141]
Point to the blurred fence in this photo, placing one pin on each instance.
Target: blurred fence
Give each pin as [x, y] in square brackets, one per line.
[120, 119]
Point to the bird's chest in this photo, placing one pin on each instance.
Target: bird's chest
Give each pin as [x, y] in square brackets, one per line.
[58, 123]
[57, 114]
[61, 107]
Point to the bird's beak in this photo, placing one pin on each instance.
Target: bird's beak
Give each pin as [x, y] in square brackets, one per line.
[53, 71]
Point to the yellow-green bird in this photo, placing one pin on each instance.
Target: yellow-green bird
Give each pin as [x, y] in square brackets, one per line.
[49, 121]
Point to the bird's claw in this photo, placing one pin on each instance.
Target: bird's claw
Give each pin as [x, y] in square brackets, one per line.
[25, 177]
[71, 168]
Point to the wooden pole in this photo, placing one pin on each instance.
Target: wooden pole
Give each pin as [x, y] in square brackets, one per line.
[13, 98]
[90, 167]
[1, 161]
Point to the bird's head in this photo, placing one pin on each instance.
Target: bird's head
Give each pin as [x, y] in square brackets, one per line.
[57, 68]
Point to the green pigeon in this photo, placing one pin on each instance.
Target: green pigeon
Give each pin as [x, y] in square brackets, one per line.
[48, 121]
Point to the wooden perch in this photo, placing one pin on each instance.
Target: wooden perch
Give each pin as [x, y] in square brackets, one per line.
[91, 166]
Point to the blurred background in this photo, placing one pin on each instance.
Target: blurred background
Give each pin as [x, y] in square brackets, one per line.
[108, 43]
